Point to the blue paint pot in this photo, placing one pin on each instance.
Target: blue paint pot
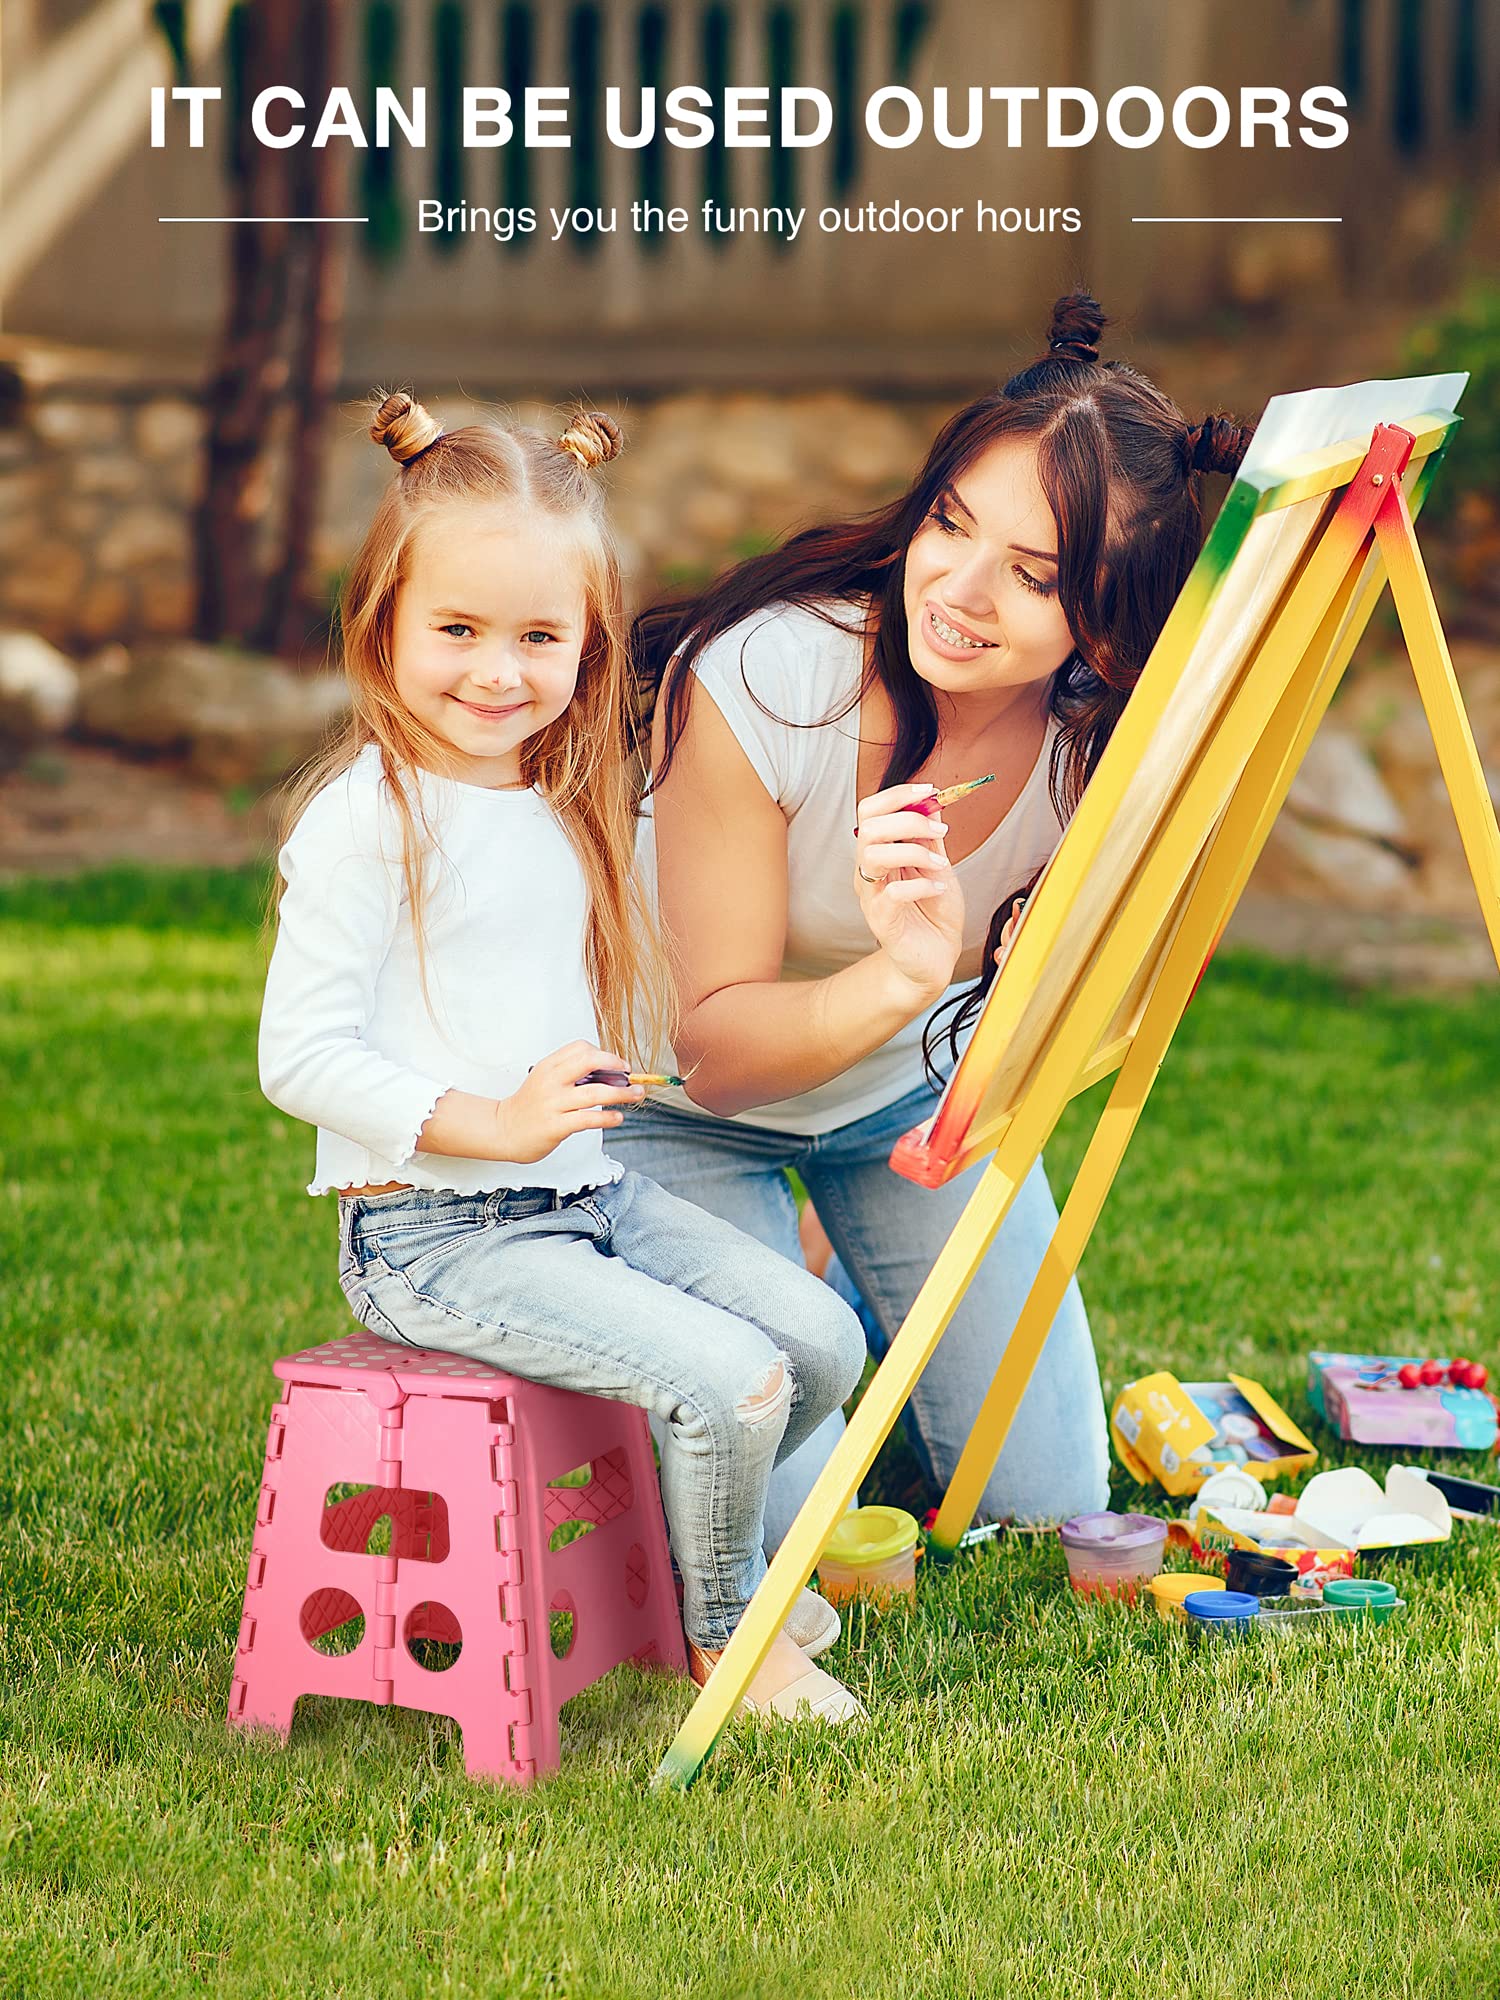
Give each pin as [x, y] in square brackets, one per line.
[1224, 1614]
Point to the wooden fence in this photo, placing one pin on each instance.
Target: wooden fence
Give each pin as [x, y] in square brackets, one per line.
[1415, 183]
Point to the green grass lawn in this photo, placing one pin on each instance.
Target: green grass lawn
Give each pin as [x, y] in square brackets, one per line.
[1047, 1800]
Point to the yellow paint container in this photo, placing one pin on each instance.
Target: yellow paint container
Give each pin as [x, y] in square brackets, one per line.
[1168, 1591]
[871, 1553]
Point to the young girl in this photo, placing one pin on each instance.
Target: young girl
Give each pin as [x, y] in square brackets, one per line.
[458, 932]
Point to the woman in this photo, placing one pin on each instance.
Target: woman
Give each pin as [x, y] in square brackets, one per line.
[833, 944]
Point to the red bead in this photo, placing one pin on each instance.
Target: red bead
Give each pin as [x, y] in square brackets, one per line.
[1478, 1374]
[1433, 1373]
[1461, 1374]
[1409, 1375]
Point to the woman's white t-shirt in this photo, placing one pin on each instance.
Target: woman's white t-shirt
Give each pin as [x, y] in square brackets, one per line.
[774, 677]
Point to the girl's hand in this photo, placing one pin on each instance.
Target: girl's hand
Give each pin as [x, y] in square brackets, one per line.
[551, 1105]
[906, 888]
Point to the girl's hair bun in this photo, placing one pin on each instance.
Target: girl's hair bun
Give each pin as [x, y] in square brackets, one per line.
[401, 424]
[1218, 444]
[592, 438]
[1077, 322]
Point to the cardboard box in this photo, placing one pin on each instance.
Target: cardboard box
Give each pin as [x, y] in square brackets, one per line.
[1346, 1508]
[1174, 1432]
[1339, 1515]
[1439, 1417]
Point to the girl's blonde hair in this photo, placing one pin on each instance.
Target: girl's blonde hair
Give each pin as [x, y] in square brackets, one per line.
[580, 762]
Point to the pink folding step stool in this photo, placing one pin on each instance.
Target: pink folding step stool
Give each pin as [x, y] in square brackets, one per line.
[461, 1458]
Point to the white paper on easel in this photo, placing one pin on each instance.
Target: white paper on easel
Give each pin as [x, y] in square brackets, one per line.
[1309, 419]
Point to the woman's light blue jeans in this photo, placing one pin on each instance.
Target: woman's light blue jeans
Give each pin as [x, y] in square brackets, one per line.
[887, 1234]
[625, 1292]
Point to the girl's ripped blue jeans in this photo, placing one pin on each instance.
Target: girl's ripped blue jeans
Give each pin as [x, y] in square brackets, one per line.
[627, 1292]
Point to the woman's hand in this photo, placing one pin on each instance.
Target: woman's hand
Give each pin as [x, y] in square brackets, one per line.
[906, 888]
[551, 1105]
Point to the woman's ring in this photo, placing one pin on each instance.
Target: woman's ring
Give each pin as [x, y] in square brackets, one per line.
[873, 880]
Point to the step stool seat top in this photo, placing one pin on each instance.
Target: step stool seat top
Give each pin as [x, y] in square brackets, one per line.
[352, 1360]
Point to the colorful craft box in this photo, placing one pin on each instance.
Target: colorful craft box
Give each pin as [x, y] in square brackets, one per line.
[1434, 1417]
[1177, 1433]
[1339, 1515]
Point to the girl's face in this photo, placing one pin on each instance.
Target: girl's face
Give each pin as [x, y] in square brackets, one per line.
[489, 626]
[982, 611]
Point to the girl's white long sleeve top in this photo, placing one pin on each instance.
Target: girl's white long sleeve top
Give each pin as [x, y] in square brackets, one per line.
[349, 1039]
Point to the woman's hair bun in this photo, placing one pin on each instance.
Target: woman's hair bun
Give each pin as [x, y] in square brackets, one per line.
[592, 438]
[401, 424]
[1218, 444]
[1078, 320]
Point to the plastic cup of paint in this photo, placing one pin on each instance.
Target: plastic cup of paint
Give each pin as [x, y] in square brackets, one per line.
[1170, 1588]
[1354, 1596]
[1221, 1614]
[1109, 1554]
[1257, 1574]
[872, 1553]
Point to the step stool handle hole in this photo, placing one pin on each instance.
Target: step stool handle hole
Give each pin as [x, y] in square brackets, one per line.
[433, 1637]
[332, 1622]
[562, 1624]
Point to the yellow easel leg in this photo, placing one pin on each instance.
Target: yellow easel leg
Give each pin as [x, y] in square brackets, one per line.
[1432, 663]
[851, 1459]
[1075, 1225]
[1236, 845]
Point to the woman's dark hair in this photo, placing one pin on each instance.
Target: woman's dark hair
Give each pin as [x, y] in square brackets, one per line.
[1118, 463]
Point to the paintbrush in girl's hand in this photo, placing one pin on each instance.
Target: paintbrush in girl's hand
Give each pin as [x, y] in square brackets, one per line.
[621, 1079]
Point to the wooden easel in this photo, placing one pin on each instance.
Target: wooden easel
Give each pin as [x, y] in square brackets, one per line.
[1146, 952]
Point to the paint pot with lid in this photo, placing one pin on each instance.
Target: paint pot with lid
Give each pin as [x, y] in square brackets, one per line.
[1221, 1614]
[1359, 1597]
[1257, 1574]
[1110, 1554]
[872, 1553]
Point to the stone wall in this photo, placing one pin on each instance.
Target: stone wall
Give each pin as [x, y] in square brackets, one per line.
[99, 466]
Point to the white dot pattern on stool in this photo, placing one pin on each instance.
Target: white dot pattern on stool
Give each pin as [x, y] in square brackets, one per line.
[365, 1350]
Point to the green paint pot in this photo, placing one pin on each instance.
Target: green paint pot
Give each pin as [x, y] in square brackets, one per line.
[1353, 1596]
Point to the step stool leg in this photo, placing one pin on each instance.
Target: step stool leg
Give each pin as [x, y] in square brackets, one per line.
[495, 1747]
[665, 1645]
[299, 1584]
[259, 1696]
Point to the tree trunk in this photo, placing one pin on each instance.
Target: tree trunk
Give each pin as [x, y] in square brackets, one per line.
[251, 369]
[279, 343]
[321, 253]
